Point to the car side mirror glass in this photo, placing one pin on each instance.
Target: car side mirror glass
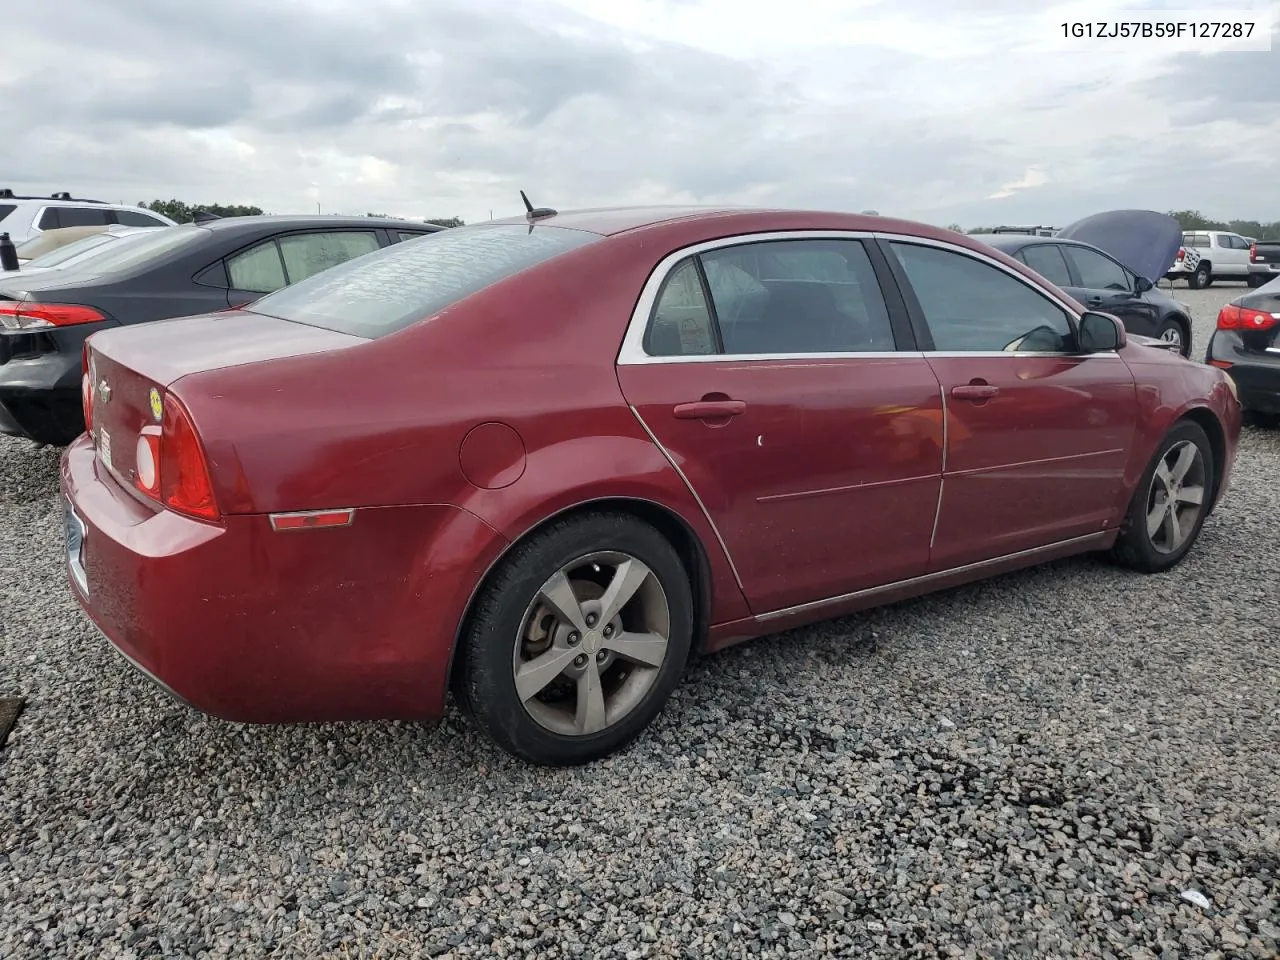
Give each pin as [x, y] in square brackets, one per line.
[1100, 332]
[1142, 284]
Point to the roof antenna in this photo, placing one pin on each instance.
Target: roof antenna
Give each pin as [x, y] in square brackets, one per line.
[204, 216]
[535, 213]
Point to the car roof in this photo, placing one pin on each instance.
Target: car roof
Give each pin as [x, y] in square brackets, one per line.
[609, 221]
[302, 221]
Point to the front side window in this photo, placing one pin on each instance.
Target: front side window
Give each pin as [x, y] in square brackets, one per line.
[307, 254]
[1046, 260]
[1098, 272]
[258, 269]
[974, 307]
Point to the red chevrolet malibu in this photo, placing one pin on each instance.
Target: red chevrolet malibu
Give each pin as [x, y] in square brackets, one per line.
[542, 462]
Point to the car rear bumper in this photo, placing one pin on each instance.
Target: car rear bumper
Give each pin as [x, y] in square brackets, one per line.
[1265, 269]
[252, 625]
[39, 388]
[1256, 375]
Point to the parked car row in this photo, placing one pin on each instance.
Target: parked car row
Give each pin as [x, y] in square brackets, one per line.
[46, 315]
[24, 217]
[542, 462]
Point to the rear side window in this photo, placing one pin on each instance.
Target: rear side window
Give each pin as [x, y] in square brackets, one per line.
[134, 218]
[5, 210]
[83, 216]
[374, 295]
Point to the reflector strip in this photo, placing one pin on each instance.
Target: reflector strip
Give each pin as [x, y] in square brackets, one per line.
[312, 519]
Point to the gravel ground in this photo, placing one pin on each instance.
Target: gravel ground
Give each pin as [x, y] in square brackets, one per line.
[1038, 766]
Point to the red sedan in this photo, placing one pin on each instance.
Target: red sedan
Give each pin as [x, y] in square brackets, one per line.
[543, 461]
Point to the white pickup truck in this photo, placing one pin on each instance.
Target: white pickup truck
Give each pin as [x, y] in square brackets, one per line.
[1209, 255]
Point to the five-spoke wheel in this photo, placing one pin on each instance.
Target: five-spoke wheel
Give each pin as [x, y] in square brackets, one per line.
[578, 639]
[1170, 503]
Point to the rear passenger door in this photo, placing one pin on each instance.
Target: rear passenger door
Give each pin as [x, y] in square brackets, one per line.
[277, 262]
[783, 384]
[1037, 433]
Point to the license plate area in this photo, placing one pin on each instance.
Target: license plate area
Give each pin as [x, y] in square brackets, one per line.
[75, 534]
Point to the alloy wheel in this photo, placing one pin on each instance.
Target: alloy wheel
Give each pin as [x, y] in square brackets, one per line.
[591, 643]
[1176, 497]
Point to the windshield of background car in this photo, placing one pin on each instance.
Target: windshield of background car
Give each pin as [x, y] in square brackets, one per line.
[64, 253]
[385, 291]
[136, 249]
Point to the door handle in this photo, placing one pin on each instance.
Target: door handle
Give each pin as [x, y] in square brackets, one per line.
[974, 391]
[709, 409]
[1094, 300]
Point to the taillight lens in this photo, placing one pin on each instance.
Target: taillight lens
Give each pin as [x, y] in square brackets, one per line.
[170, 465]
[24, 314]
[1235, 317]
[1182, 254]
[185, 485]
[1253, 252]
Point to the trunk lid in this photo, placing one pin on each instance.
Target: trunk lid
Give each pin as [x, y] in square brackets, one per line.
[127, 363]
[1145, 241]
[1266, 251]
[1266, 299]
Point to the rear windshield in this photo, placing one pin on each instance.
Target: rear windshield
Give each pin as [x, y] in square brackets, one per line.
[132, 250]
[1195, 239]
[65, 252]
[382, 292]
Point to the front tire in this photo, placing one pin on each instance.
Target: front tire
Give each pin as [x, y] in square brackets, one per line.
[577, 640]
[1171, 331]
[1170, 503]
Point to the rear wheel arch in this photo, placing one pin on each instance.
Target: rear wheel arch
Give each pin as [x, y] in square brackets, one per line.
[674, 528]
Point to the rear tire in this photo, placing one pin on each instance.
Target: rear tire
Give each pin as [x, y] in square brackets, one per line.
[1201, 278]
[1256, 279]
[1169, 504]
[555, 671]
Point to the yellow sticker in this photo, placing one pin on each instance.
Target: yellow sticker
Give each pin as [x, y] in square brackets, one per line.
[157, 405]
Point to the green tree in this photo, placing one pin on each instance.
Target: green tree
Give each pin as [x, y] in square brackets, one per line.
[449, 222]
[180, 211]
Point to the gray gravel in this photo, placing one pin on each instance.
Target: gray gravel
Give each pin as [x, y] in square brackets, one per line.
[1038, 766]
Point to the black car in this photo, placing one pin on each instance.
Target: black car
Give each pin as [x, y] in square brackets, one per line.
[173, 272]
[1101, 282]
[1246, 344]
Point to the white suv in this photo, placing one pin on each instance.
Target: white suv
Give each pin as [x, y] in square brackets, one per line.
[1209, 255]
[25, 217]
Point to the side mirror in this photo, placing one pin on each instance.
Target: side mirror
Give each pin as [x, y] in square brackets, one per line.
[1100, 332]
[1142, 284]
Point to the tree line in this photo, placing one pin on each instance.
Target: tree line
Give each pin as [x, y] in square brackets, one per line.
[1190, 220]
[179, 211]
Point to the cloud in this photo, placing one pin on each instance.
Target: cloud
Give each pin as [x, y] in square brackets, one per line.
[1034, 177]
[913, 107]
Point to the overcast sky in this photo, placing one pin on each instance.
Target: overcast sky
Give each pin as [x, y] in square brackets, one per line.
[941, 110]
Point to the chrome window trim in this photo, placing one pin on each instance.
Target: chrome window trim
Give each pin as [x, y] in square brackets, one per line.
[632, 352]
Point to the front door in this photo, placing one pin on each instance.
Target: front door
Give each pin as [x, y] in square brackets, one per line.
[1103, 284]
[1038, 435]
[770, 375]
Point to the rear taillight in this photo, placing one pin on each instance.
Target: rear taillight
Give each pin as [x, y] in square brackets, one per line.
[1253, 253]
[171, 467]
[1182, 254]
[185, 485]
[88, 370]
[25, 314]
[1235, 317]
